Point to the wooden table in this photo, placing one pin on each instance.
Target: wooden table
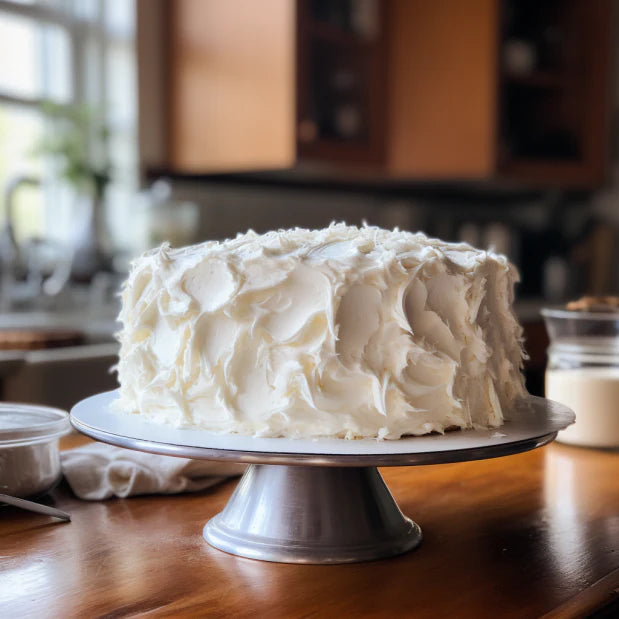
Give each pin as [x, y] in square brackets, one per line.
[519, 536]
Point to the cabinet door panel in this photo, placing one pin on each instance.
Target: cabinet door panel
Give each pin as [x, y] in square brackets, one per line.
[232, 102]
[442, 88]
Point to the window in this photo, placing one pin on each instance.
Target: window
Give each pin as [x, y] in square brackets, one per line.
[66, 51]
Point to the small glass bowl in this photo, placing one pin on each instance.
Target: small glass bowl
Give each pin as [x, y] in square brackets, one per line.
[29, 455]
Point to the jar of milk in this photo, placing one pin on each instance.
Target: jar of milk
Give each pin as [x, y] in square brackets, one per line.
[583, 373]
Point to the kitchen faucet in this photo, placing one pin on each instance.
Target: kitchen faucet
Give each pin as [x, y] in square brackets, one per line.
[8, 245]
[17, 263]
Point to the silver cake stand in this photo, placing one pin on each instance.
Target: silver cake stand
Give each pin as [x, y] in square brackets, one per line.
[317, 501]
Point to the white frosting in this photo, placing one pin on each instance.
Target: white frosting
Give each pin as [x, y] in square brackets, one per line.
[338, 332]
[31, 469]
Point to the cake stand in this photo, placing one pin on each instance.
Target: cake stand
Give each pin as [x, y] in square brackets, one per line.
[322, 500]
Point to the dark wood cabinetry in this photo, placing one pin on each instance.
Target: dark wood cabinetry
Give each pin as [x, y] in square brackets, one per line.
[341, 80]
[402, 89]
[554, 103]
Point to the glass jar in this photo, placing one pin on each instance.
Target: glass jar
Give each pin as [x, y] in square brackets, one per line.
[583, 373]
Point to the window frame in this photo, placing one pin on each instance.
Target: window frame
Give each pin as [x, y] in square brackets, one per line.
[79, 29]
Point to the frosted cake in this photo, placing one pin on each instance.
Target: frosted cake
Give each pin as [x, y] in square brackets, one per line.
[341, 332]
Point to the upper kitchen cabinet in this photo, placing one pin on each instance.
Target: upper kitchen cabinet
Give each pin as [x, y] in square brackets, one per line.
[231, 98]
[554, 103]
[260, 85]
[403, 89]
[341, 81]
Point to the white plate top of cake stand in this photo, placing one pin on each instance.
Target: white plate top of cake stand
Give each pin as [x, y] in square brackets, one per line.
[532, 423]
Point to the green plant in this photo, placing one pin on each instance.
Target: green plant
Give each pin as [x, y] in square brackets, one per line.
[76, 143]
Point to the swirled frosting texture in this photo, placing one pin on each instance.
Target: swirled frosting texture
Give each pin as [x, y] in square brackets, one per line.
[348, 332]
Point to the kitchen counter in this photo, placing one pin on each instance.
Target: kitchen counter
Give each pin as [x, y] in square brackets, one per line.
[65, 375]
[519, 536]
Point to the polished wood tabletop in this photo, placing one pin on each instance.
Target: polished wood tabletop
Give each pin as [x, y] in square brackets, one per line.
[521, 536]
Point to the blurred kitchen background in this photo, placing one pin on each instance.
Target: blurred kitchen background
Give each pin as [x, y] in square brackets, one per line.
[124, 123]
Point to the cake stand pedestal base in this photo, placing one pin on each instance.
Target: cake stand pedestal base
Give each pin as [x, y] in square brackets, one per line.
[312, 514]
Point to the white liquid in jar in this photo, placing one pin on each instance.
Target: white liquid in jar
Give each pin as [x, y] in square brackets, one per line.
[593, 394]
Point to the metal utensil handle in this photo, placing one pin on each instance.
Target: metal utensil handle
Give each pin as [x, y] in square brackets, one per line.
[34, 507]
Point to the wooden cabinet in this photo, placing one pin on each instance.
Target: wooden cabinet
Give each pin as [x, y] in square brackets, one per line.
[554, 90]
[402, 89]
[231, 89]
[341, 81]
[442, 89]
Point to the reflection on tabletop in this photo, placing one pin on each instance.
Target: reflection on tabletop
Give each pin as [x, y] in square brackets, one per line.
[570, 494]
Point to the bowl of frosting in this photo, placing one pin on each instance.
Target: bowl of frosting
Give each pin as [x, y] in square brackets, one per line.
[29, 454]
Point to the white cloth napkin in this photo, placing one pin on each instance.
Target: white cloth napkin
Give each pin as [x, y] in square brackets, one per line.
[99, 471]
